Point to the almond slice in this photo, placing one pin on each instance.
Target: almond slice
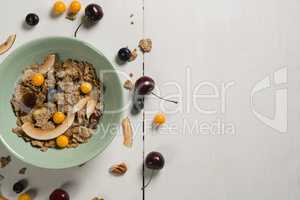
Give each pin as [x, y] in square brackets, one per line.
[48, 64]
[90, 107]
[91, 104]
[48, 134]
[80, 105]
[4, 47]
[127, 132]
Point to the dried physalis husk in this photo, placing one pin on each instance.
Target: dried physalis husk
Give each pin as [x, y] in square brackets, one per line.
[4, 161]
[127, 132]
[3, 198]
[128, 85]
[5, 46]
[119, 169]
[133, 55]
[145, 45]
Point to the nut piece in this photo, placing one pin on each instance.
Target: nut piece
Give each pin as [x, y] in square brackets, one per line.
[128, 85]
[118, 169]
[5, 46]
[37, 143]
[4, 161]
[145, 45]
[127, 132]
[133, 55]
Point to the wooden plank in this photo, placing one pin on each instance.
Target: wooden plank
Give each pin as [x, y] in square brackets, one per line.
[113, 32]
[210, 55]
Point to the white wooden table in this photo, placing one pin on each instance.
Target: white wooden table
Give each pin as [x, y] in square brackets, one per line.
[234, 66]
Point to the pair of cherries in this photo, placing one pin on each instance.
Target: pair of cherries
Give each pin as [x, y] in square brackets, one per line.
[145, 86]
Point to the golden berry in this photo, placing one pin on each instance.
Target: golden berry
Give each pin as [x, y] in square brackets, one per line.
[37, 79]
[62, 141]
[75, 7]
[159, 119]
[58, 117]
[59, 7]
[24, 196]
[85, 87]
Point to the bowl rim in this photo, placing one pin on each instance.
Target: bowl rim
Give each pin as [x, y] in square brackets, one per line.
[93, 154]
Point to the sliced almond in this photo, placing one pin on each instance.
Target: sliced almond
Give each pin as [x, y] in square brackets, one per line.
[48, 134]
[118, 169]
[4, 47]
[80, 105]
[90, 107]
[48, 64]
[127, 132]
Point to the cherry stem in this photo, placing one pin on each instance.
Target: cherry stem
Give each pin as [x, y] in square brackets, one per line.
[149, 181]
[75, 34]
[172, 101]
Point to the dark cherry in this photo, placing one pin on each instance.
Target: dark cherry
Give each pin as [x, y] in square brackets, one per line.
[144, 85]
[124, 54]
[155, 161]
[59, 194]
[20, 186]
[29, 99]
[93, 12]
[32, 19]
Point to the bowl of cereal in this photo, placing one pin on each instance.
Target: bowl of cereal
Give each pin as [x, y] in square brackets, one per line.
[61, 102]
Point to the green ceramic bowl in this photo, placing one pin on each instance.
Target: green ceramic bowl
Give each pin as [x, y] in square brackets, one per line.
[34, 52]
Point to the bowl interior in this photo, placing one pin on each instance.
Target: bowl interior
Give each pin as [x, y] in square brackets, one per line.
[34, 52]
